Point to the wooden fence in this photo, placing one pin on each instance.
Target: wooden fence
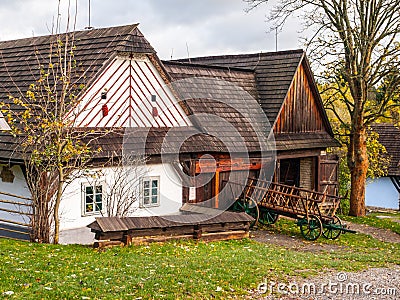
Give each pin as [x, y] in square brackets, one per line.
[11, 227]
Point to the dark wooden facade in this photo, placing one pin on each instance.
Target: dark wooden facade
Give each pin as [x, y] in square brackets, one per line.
[286, 90]
[300, 111]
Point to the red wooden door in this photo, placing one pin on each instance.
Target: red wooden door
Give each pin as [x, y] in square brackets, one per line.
[328, 174]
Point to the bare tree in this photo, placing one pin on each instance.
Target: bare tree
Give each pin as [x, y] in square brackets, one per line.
[40, 118]
[122, 184]
[357, 42]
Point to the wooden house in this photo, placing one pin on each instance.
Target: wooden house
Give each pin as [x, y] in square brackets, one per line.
[283, 84]
[384, 192]
[183, 116]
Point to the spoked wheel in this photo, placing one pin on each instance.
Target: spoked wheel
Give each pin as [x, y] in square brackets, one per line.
[267, 217]
[332, 230]
[311, 229]
[249, 206]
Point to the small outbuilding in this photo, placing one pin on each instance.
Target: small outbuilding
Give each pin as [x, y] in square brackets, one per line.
[384, 192]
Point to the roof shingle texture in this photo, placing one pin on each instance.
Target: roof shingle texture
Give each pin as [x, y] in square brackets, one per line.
[20, 62]
[389, 136]
[274, 74]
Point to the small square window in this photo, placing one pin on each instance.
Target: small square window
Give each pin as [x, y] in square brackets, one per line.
[150, 192]
[92, 198]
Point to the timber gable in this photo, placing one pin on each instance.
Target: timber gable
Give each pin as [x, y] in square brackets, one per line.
[302, 109]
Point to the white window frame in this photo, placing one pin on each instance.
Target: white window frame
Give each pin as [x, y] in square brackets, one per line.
[94, 185]
[151, 195]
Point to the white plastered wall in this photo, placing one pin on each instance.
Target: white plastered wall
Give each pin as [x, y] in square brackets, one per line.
[71, 211]
[18, 187]
[130, 83]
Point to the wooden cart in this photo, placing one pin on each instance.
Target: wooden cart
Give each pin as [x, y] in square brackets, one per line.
[315, 212]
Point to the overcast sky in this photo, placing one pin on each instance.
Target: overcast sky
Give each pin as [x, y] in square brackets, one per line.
[208, 27]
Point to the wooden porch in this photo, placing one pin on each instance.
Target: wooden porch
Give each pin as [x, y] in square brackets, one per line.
[193, 222]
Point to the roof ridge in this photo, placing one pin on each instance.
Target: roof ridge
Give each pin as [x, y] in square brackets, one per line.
[199, 65]
[272, 53]
[135, 32]
[133, 26]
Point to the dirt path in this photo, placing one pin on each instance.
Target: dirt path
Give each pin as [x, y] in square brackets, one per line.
[297, 243]
[374, 283]
[384, 235]
[291, 242]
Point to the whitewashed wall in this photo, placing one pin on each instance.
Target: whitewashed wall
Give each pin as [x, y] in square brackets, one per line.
[129, 83]
[19, 188]
[381, 192]
[170, 197]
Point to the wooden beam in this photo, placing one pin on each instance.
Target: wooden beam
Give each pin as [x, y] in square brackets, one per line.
[216, 189]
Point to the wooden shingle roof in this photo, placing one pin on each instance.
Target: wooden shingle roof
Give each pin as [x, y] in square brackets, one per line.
[20, 59]
[389, 136]
[239, 77]
[157, 141]
[264, 77]
[114, 224]
[19, 63]
[274, 73]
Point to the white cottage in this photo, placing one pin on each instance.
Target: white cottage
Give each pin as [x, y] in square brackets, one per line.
[211, 115]
[127, 89]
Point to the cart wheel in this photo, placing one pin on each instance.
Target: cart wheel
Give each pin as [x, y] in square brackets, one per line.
[332, 232]
[311, 229]
[249, 206]
[268, 217]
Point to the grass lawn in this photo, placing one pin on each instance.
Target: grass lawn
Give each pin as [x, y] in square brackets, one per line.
[174, 270]
[374, 219]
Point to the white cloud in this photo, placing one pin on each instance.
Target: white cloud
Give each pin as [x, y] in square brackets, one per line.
[208, 26]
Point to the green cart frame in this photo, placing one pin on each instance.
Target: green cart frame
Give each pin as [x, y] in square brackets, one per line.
[315, 212]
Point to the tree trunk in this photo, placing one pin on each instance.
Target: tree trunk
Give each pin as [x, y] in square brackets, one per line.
[40, 208]
[358, 164]
[56, 216]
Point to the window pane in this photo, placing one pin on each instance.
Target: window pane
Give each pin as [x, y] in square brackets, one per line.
[89, 190]
[99, 189]
[89, 198]
[154, 183]
[146, 200]
[154, 192]
[146, 193]
[89, 207]
[154, 200]
[146, 184]
[99, 206]
[99, 198]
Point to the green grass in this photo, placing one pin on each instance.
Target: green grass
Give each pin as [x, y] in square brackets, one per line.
[373, 220]
[174, 270]
[357, 243]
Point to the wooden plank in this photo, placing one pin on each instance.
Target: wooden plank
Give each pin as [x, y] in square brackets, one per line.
[15, 212]
[105, 244]
[224, 227]
[10, 238]
[14, 222]
[109, 235]
[216, 197]
[15, 196]
[154, 239]
[179, 230]
[14, 231]
[223, 236]
[15, 202]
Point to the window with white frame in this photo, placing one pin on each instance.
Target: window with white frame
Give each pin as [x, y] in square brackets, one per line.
[92, 198]
[150, 192]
